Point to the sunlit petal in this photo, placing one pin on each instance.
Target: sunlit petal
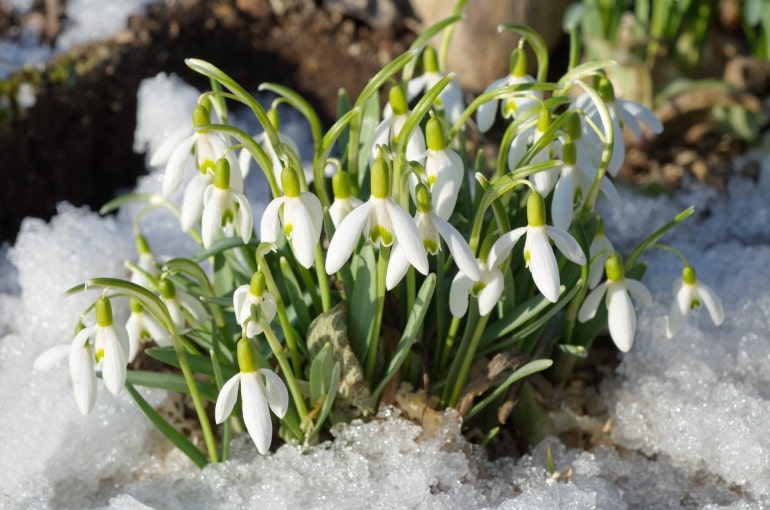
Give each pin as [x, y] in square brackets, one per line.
[712, 302]
[346, 237]
[458, 247]
[503, 246]
[567, 245]
[542, 263]
[458, 294]
[490, 294]
[277, 394]
[639, 292]
[256, 414]
[621, 317]
[176, 165]
[270, 226]
[397, 267]
[408, 236]
[587, 310]
[226, 399]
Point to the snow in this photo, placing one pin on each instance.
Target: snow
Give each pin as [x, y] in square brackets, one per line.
[690, 414]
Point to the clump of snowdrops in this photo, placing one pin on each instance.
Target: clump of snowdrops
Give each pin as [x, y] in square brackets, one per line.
[405, 259]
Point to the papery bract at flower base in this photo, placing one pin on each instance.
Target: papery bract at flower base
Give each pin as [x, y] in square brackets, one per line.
[302, 217]
[689, 293]
[538, 254]
[621, 316]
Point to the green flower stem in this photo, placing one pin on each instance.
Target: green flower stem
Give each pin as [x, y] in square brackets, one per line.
[374, 332]
[446, 37]
[220, 380]
[323, 279]
[312, 288]
[283, 317]
[455, 366]
[467, 360]
[536, 42]
[291, 381]
[301, 105]
[444, 349]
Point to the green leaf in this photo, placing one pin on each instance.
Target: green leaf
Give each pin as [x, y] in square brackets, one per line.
[296, 297]
[190, 268]
[413, 324]
[320, 373]
[128, 198]
[655, 236]
[334, 383]
[177, 438]
[198, 364]
[323, 150]
[363, 300]
[300, 104]
[577, 351]
[370, 118]
[226, 244]
[530, 368]
[170, 382]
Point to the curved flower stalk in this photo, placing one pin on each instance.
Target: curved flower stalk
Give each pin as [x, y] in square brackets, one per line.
[544, 181]
[223, 206]
[444, 170]
[301, 215]
[450, 100]
[689, 294]
[244, 156]
[104, 345]
[624, 113]
[253, 295]
[432, 229]
[487, 288]
[344, 201]
[142, 326]
[513, 106]
[391, 125]
[180, 303]
[382, 222]
[147, 264]
[621, 316]
[538, 254]
[261, 391]
[207, 146]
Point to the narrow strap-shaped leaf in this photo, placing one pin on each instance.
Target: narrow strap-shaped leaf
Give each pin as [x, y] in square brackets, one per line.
[173, 435]
[170, 382]
[296, 298]
[300, 104]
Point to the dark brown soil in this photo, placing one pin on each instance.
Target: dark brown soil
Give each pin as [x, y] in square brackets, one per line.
[75, 144]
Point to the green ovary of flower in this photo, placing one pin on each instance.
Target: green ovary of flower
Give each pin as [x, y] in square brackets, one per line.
[341, 185]
[103, 312]
[222, 174]
[398, 102]
[257, 284]
[430, 60]
[535, 210]
[434, 135]
[688, 275]
[290, 183]
[613, 268]
[379, 176]
[247, 361]
[518, 63]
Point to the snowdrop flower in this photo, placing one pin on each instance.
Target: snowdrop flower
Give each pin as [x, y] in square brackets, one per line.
[450, 100]
[432, 229]
[208, 147]
[261, 390]
[623, 113]
[689, 294]
[391, 125]
[382, 221]
[487, 288]
[621, 316]
[302, 217]
[512, 106]
[544, 181]
[223, 205]
[344, 201]
[538, 254]
[104, 344]
[193, 198]
[574, 183]
[250, 295]
[444, 170]
[180, 303]
[140, 326]
[147, 264]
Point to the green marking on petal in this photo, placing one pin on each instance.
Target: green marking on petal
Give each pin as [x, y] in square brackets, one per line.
[509, 108]
[288, 228]
[98, 355]
[430, 246]
[477, 287]
[695, 304]
[380, 234]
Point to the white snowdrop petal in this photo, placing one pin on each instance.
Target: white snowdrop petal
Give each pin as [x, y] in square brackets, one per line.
[641, 114]
[193, 306]
[346, 237]
[485, 115]
[712, 302]
[245, 218]
[675, 320]
[166, 148]
[113, 363]
[226, 399]
[270, 227]
[587, 310]
[316, 212]
[268, 307]
[239, 300]
[156, 331]
[490, 294]
[458, 295]
[563, 197]
[609, 190]
[415, 86]
[256, 414]
[408, 236]
[503, 246]
[50, 357]
[621, 317]
[212, 217]
[192, 201]
[398, 265]
[134, 326]
[303, 240]
[176, 165]
[639, 291]
[458, 247]
[277, 394]
[542, 263]
[567, 245]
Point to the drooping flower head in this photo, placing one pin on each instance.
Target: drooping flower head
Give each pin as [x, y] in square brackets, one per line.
[450, 100]
[253, 295]
[180, 305]
[621, 316]
[381, 221]
[301, 214]
[142, 326]
[432, 229]
[689, 294]
[487, 288]
[223, 206]
[538, 254]
[261, 391]
[512, 106]
[444, 170]
[545, 180]
[390, 127]
[344, 201]
[148, 270]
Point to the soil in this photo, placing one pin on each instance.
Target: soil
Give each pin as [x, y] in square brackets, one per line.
[75, 144]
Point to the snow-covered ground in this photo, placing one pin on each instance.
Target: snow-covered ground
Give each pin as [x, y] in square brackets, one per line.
[691, 414]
